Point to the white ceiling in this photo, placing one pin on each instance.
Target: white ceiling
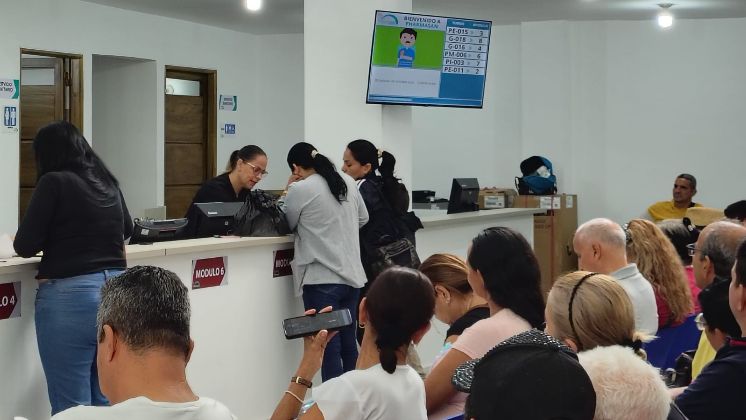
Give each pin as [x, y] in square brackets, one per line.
[286, 16]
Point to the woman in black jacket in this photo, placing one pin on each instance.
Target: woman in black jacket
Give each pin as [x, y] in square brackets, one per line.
[77, 217]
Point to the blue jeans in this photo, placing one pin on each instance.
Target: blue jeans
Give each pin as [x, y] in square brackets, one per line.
[66, 335]
[340, 355]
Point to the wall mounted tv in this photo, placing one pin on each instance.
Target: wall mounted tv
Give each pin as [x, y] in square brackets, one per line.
[428, 60]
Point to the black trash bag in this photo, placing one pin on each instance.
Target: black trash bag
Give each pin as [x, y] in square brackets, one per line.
[260, 216]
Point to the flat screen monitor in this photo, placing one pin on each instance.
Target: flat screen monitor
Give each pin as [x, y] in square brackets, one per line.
[464, 195]
[215, 219]
[428, 60]
[147, 231]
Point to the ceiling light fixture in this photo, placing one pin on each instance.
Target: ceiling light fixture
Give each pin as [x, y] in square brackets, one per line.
[665, 18]
[253, 5]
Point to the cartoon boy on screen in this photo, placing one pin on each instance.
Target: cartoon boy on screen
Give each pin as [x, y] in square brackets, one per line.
[405, 53]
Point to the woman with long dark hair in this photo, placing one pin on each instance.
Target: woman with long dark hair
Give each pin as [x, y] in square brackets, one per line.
[387, 204]
[325, 211]
[395, 313]
[246, 167]
[504, 271]
[77, 217]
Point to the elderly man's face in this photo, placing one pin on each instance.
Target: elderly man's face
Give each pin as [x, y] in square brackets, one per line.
[586, 255]
[682, 191]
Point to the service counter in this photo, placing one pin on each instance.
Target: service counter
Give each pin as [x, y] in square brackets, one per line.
[241, 356]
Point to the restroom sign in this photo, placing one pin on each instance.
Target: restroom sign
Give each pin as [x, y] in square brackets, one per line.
[9, 88]
[10, 117]
[209, 272]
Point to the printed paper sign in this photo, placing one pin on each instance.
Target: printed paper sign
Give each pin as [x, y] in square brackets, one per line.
[209, 272]
[494, 201]
[557, 203]
[10, 300]
[9, 88]
[569, 202]
[281, 262]
[228, 103]
[545, 202]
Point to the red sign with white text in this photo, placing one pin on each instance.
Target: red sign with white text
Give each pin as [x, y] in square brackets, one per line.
[281, 264]
[209, 272]
[10, 300]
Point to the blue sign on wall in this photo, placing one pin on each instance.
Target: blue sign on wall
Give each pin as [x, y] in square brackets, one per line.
[10, 116]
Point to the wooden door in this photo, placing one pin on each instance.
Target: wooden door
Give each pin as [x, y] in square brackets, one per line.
[41, 102]
[51, 90]
[189, 144]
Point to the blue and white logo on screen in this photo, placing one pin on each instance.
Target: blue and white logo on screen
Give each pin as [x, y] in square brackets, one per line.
[388, 19]
[10, 117]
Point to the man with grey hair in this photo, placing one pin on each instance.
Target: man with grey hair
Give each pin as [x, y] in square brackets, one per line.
[601, 247]
[713, 256]
[143, 349]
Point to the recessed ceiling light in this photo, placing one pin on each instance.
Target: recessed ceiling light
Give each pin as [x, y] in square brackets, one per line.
[665, 18]
[253, 5]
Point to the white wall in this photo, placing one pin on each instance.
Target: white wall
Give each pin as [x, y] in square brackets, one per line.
[125, 98]
[619, 107]
[279, 99]
[73, 26]
[484, 143]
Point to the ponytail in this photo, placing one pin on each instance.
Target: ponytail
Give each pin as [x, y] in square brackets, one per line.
[305, 155]
[400, 303]
[394, 192]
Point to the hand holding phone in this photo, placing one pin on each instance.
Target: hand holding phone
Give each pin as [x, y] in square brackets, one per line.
[306, 325]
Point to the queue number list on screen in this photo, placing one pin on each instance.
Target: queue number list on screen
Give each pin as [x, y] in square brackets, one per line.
[428, 60]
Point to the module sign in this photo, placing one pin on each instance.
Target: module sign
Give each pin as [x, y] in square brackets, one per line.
[281, 262]
[209, 272]
[10, 300]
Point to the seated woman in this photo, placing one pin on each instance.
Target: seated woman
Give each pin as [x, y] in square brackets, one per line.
[455, 303]
[680, 236]
[590, 311]
[505, 273]
[246, 167]
[396, 312]
[656, 258]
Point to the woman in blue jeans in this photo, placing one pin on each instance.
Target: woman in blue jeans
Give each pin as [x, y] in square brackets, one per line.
[325, 211]
[77, 217]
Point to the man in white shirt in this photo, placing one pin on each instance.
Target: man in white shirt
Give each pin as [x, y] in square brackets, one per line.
[144, 347]
[601, 247]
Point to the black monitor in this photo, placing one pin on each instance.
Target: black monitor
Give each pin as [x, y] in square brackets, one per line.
[214, 218]
[147, 231]
[464, 195]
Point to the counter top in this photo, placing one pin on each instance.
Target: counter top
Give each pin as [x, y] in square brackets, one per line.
[433, 218]
[159, 249]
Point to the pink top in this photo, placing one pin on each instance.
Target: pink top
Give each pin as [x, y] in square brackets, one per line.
[693, 288]
[475, 342]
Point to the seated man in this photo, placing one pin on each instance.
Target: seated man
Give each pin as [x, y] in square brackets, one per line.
[143, 349]
[717, 391]
[684, 188]
[737, 211]
[712, 259]
[601, 247]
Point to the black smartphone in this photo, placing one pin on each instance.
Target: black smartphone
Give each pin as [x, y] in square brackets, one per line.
[306, 325]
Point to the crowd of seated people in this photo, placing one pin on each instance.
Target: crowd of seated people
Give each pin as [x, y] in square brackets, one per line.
[579, 353]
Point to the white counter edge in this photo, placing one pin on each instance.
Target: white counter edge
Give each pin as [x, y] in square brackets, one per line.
[450, 219]
[159, 249]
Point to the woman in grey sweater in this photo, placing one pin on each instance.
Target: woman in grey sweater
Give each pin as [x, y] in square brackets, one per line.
[325, 211]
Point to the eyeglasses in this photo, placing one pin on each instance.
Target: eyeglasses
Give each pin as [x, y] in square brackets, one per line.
[692, 249]
[257, 170]
[700, 321]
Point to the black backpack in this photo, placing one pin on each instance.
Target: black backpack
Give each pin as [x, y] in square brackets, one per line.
[534, 183]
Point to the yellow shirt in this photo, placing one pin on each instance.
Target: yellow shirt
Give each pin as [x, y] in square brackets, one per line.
[704, 355]
[667, 210]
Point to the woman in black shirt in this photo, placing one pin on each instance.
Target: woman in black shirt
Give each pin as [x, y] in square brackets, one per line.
[246, 167]
[77, 217]
[455, 303]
